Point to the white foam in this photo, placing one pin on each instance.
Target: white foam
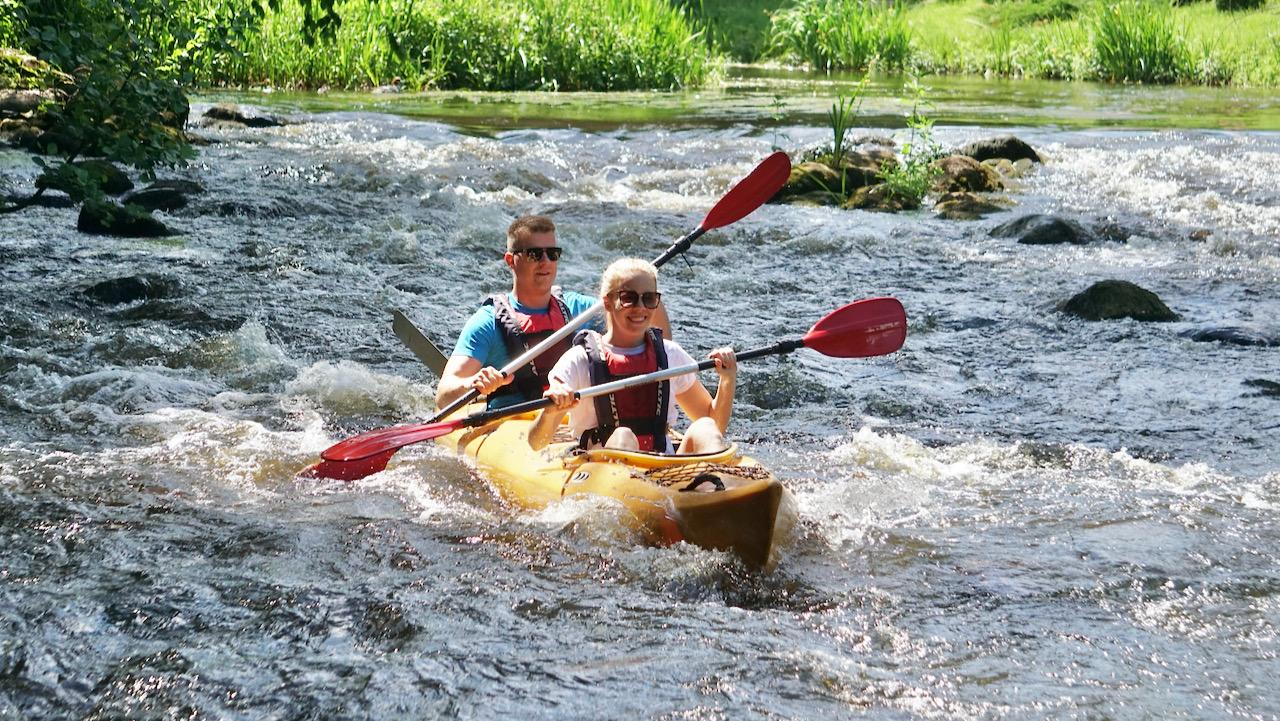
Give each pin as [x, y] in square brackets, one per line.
[350, 388]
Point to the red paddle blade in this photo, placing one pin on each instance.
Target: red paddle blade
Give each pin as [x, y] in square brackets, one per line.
[348, 470]
[751, 192]
[387, 441]
[864, 328]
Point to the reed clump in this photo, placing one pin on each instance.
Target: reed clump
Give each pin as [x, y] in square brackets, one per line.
[1138, 41]
[842, 34]
[494, 45]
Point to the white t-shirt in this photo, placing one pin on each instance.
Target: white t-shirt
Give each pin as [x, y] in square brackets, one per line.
[574, 370]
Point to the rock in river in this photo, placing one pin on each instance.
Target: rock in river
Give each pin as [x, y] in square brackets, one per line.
[1111, 299]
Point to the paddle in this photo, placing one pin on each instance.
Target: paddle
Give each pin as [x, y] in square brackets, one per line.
[750, 193]
[873, 327]
[419, 343]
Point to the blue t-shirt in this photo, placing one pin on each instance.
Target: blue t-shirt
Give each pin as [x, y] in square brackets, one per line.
[481, 339]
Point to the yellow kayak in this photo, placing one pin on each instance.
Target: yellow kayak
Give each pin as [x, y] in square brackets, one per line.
[723, 501]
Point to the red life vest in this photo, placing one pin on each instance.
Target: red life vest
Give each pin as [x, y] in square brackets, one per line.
[522, 331]
[643, 409]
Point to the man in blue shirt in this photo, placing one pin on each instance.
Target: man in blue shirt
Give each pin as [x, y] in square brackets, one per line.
[508, 323]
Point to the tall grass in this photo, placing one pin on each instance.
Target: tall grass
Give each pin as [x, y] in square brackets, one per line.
[493, 45]
[1138, 40]
[842, 34]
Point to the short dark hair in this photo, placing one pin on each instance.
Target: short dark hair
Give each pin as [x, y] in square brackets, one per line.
[526, 225]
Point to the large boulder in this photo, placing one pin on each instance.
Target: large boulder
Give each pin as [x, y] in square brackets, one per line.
[808, 177]
[1111, 299]
[110, 218]
[960, 173]
[857, 169]
[861, 168]
[19, 102]
[1039, 229]
[1005, 146]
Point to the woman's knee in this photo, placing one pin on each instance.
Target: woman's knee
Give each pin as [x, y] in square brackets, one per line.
[623, 438]
[703, 436]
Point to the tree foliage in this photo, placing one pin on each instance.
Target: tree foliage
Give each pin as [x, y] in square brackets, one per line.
[124, 68]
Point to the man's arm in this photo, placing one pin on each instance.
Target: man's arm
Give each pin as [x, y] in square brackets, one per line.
[461, 374]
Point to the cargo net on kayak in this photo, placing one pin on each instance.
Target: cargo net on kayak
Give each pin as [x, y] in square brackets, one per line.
[689, 476]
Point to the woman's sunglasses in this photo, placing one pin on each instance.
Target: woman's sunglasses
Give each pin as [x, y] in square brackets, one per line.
[628, 298]
[552, 254]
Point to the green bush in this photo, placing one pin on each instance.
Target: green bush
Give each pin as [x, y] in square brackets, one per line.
[10, 23]
[909, 181]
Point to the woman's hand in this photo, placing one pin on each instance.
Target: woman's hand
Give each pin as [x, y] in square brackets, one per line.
[565, 397]
[726, 363]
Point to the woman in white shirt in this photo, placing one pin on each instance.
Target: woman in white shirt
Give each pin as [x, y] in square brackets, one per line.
[635, 418]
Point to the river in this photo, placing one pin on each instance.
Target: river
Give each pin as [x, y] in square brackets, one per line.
[1020, 515]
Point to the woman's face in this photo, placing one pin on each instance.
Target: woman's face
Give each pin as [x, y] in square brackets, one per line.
[627, 312]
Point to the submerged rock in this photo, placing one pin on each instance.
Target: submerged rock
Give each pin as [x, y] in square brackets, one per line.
[1044, 230]
[129, 289]
[1005, 146]
[233, 115]
[1112, 299]
[1233, 335]
[165, 195]
[1264, 386]
[969, 206]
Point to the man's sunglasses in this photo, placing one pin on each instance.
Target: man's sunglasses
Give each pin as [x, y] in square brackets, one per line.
[552, 254]
[628, 298]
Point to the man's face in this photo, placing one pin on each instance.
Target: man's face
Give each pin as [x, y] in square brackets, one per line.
[533, 275]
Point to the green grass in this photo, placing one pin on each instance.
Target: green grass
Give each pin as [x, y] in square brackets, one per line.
[494, 45]
[1127, 41]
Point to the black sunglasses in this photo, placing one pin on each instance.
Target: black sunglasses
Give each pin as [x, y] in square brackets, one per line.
[552, 254]
[628, 298]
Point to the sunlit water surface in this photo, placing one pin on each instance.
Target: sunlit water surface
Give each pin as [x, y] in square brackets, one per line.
[1019, 515]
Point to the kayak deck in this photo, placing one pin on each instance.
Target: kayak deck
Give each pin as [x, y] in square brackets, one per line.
[723, 501]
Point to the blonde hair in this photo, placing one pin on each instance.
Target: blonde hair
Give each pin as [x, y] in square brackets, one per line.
[522, 228]
[623, 268]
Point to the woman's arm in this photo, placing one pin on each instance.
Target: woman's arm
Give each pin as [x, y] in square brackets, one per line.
[549, 419]
[697, 401]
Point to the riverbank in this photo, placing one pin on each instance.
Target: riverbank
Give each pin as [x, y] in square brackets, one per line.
[558, 45]
[1187, 43]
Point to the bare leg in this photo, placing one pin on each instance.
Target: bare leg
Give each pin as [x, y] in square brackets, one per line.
[703, 436]
[624, 439]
